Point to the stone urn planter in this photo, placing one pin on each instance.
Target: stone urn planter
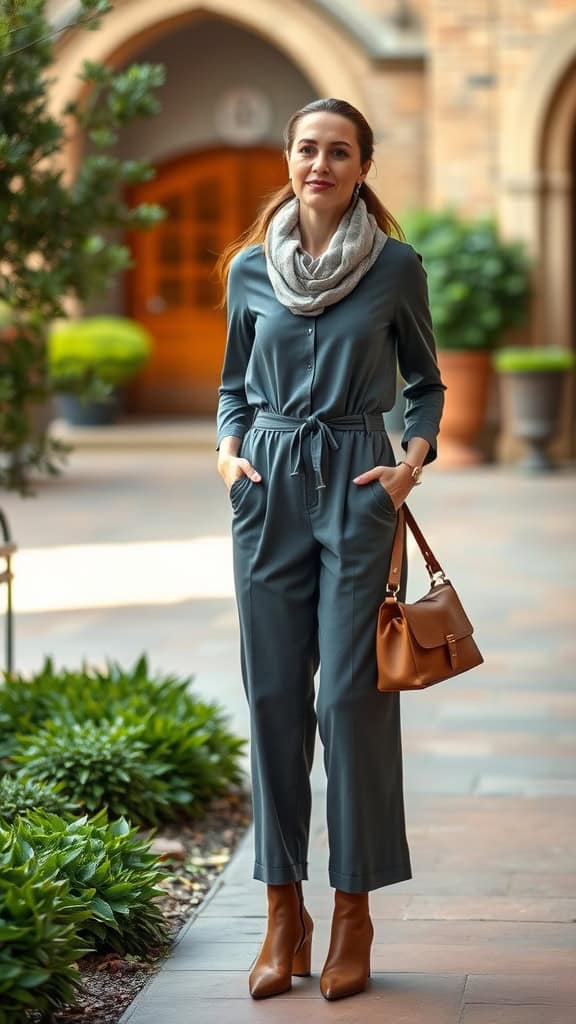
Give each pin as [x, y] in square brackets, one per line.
[532, 387]
[92, 413]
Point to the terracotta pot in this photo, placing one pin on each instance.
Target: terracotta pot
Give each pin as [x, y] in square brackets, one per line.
[467, 376]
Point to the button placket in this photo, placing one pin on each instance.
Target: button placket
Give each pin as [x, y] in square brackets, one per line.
[310, 363]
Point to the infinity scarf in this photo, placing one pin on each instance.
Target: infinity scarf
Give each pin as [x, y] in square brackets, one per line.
[307, 284]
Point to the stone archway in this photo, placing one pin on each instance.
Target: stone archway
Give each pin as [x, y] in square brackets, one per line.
[537, 196]
[322, 52]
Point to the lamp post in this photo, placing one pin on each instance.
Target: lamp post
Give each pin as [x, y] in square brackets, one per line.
[7, 549]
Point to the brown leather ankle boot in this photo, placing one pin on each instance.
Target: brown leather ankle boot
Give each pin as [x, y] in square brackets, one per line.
[288, 943]
[347, 966]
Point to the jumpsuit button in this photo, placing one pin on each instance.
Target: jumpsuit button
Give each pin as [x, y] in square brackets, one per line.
[310, 329]
[308, 366]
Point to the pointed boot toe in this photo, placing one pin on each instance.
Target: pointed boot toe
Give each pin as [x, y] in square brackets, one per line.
[338, 985]
[269, 981]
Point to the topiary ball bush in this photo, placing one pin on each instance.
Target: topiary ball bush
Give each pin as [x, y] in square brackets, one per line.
[111, 348]
[533, 359]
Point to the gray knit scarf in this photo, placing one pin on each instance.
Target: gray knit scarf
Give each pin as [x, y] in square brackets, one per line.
[306, 284]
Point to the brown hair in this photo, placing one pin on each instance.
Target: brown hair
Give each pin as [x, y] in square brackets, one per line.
[256, 232]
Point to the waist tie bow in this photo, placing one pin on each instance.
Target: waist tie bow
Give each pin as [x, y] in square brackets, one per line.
[320, 431]
[321, 434]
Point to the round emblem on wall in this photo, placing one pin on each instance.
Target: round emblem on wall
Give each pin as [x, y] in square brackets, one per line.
[243, 115]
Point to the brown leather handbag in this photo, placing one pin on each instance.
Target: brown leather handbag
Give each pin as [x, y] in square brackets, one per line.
[422, 643]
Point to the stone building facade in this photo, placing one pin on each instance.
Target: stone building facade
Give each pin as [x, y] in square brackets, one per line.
[473, 104]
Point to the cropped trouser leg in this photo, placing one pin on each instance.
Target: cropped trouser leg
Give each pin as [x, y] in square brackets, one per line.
[277, 591]
[359, 726]
[310, 571]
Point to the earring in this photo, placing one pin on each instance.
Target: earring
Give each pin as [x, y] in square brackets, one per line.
[357, 189]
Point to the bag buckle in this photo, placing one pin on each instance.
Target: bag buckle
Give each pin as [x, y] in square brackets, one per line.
[392, 590]
[452, 649]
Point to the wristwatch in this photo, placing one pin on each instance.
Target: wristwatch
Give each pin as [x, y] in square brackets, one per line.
[416, 470]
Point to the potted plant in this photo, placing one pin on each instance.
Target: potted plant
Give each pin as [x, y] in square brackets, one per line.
[532, 382]
[479, 288]
[100, 353]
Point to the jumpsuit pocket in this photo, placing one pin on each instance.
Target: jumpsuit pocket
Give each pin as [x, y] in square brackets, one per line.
[239, 492]
[383, 498]
[237, 488]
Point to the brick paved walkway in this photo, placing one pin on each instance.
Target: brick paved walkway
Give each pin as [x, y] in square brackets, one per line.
[484, 933]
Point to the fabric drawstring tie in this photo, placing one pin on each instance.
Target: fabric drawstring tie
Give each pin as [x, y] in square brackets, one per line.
[321, 434]
[321, 431]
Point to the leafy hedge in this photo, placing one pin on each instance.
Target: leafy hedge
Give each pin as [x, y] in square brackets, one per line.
[68, 888]
[102, 742]
[39, 938]
[142, 746]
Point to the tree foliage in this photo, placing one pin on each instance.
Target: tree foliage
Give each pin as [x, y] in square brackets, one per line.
[53, 241]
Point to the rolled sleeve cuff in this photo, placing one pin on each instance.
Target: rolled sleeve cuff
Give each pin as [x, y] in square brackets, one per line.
[429, 433]
[229, 432]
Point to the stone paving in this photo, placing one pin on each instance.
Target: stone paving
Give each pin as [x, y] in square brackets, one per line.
[131, 551]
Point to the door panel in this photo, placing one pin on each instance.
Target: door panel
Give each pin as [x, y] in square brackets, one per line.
[210, 199]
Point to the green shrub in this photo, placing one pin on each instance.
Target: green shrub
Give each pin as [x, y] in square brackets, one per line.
[202, 753]
[111, 348]
[478, 283]
[110, 869]
[39, 931]
[533, 358]
[99, 764]
[19, 794]
[68, 888]
[176, 751]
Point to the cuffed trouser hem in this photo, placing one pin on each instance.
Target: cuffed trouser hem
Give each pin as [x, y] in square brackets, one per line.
[280, 876]
[364, 883]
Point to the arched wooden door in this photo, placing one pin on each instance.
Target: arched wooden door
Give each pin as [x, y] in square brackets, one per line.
[210, 198]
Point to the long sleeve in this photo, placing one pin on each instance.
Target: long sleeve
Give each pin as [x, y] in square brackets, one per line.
[234, 415]
[416, 352]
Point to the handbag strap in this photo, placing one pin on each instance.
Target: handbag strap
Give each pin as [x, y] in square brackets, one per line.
[405, 518]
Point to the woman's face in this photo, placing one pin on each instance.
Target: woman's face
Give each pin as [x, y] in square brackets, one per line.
[325, 150]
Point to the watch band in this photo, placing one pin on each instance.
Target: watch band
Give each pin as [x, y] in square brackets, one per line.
[416, 470]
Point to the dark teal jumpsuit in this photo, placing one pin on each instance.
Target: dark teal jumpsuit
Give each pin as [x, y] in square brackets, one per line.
[311, 551]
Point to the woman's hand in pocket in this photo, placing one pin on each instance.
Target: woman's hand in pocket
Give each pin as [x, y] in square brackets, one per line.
[231, 468]
[393, 479]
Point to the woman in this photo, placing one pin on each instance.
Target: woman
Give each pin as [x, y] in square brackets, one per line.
[322, 302]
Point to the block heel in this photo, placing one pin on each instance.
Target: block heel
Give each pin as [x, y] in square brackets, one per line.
[302, 962]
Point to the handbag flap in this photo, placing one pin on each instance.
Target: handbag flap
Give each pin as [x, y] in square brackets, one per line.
[436, 615]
